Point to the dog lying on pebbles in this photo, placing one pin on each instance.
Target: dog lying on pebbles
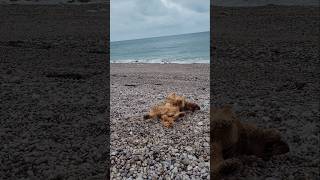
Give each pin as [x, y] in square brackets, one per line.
[230, 138]
[171, 109]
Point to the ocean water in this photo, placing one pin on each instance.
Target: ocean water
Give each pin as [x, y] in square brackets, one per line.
[182, 49]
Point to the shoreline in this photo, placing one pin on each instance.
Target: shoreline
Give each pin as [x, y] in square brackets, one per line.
[157, 63]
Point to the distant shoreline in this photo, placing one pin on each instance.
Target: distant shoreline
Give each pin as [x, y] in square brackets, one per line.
[142, 63]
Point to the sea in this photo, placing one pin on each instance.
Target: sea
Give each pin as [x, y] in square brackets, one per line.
[181, 49]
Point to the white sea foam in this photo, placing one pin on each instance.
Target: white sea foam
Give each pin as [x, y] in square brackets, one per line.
[164, 61]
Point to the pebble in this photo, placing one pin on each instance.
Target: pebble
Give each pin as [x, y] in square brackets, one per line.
[188, 148]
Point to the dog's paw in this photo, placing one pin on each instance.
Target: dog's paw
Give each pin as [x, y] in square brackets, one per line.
[167, 124]
[180, 114]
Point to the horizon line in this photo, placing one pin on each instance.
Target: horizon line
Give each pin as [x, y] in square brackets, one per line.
[158, 36]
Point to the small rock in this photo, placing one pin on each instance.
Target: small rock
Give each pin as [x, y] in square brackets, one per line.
[175, 170]
[265, 118]
[206, 144]
[189, 168]
[188, 148]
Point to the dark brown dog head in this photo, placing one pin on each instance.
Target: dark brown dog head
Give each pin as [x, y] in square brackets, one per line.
[273, 144]
[192, 106]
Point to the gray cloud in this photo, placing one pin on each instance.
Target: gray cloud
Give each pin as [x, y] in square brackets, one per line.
[131, 19]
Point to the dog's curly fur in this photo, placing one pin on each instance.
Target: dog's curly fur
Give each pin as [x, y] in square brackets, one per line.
[230, 138]
[171, 109]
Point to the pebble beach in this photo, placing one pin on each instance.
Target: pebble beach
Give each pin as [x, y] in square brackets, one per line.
[266, 61]
[145, 149]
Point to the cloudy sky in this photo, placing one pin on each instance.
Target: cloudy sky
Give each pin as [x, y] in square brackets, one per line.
[134, 19]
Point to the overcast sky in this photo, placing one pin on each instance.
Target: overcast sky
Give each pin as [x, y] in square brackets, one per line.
[133, 19]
